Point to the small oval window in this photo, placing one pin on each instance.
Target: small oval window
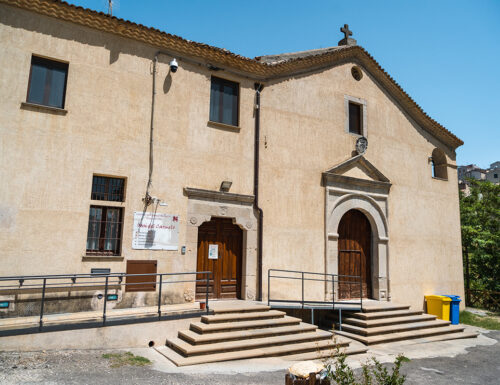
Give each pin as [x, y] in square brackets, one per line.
[356, 73]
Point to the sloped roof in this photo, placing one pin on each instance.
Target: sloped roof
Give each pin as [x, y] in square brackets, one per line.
[261, 68]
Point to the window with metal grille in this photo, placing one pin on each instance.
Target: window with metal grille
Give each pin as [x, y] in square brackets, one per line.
[105, 229]
[355, 118]
[47, 82]
[224, 101]
[107, 189]
[104, 234]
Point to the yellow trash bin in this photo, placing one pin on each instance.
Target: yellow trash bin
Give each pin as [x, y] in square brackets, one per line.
[439, 306]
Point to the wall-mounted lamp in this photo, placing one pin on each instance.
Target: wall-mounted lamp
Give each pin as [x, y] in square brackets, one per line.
[225, 185]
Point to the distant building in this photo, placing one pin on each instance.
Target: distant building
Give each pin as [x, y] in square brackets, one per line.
[493, 173]
[472, 171]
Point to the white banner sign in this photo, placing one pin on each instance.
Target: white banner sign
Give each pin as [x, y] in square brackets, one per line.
[155, 231]
[213, 251]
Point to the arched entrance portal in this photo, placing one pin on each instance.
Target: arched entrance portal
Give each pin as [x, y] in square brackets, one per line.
[354, 245]
[220, 251]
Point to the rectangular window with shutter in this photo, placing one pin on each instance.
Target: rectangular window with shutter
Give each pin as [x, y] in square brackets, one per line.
[224, 101]
[355, 119]
[47, 82]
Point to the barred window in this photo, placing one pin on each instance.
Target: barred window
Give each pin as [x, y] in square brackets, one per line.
[107, 189]
[104, 234]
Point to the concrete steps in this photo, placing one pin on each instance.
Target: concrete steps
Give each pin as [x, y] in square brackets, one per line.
[201, 327]
[196, 338]
[390, 323]
[395, 328]
[245, 316]
[251, 332]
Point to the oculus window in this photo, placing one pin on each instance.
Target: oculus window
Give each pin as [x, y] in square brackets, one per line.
[224, 101]
[47, 82]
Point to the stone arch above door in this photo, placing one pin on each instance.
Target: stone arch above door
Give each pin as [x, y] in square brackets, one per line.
[357, 184]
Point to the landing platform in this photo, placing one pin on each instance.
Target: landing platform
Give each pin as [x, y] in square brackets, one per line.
[24, 325]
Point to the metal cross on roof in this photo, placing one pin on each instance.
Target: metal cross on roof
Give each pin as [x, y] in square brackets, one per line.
[345, 30]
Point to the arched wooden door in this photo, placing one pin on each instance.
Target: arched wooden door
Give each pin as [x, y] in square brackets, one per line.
[354, 255]
[222, 235]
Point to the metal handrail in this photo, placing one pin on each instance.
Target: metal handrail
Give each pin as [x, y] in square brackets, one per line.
[99, 279]
[333, 278]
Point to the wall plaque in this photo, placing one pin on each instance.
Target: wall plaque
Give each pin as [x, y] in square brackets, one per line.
[153, 231]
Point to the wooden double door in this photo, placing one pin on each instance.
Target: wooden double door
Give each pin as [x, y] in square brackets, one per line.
[220, 251]
[354, 247]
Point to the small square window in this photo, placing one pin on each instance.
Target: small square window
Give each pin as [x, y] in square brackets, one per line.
[107, 189]
[355, 118]
[224, 101]
[47, 82]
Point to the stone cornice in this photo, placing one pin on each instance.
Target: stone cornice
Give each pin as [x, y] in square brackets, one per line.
[223, 58]
[348, 180]
[219, 196]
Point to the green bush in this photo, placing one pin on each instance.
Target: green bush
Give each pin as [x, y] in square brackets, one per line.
[340, 373]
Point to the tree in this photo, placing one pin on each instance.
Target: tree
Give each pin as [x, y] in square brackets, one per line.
[480, 220]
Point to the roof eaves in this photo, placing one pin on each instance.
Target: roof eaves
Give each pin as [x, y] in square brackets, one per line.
[222, 57]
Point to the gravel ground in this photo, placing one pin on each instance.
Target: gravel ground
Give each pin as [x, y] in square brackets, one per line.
[481, 365]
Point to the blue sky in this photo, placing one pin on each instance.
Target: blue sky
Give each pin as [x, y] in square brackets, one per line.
[444, 53]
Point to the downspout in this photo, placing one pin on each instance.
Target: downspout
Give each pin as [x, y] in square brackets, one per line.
[258, 88]
[147, 198]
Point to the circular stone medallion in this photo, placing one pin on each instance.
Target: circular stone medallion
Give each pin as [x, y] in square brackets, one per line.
[361, 145]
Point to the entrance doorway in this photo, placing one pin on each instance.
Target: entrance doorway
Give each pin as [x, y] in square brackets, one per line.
[220, 251]
[354, 255]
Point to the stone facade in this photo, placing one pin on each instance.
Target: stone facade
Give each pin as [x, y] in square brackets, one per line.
[308, 174]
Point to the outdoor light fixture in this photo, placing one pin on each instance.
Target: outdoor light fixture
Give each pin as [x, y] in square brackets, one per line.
[225, 185]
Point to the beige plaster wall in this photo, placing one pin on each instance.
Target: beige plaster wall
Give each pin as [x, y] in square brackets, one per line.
[49, 159]
[303, 129]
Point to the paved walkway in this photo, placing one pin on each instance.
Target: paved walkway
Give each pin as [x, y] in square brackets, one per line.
[470, 361]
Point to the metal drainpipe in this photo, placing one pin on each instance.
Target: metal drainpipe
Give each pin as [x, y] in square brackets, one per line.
[258, 88]
[151, 130]
[147, 198]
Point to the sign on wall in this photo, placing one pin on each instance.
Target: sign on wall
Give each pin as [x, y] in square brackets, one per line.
[153, 231]
[213, 251]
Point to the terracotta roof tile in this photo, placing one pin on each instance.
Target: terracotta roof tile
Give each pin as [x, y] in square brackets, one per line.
[261, 68]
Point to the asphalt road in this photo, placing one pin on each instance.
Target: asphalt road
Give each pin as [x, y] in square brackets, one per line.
[480, 366]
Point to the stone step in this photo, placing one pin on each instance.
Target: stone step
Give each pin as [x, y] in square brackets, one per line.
[198, 339]
[201, 327]
[407, 335]
[447, 337]
[387, 306]
[394, 328]
[189, 350]
[270, 351]
[387, 321]
[326, 353]
[234, 309]
[386, 314]
[238, 317]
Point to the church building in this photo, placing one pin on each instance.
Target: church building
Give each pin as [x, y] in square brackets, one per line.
[128, 149]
